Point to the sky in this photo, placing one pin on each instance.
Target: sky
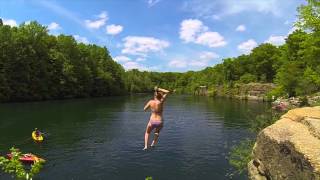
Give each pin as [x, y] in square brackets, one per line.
[162, 35]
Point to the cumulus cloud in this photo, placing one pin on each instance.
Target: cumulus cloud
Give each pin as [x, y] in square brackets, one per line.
[81, 39]
[241, 28]
[121, 59]
[193, 30]
[99, 22]
[211, 39]
[210, 8]
[276, 40]
[189, 28]
[247, 46]
[140, 45]
[10, 22]
[54, 26]
[114, 29]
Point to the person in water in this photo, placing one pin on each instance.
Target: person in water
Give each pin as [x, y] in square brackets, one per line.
[156, 119]
[38, 133]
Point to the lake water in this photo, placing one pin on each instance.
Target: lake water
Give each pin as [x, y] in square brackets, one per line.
[103, 138]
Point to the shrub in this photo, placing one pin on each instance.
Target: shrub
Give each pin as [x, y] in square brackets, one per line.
[16, 168]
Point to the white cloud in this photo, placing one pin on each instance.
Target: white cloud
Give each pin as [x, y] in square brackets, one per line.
[247, 46]
[140, 45]
[81, 39]
[10, 22]
[241, 28]
[276, 40]
[193, 30]
[96, 24]
[134, 65]
[211, 39]
[114, 29]
[121, 59]
[208, 55]
[140, 59]
[203, 59]
[209, 8]
[54, 26]
[176, 63]
[190, 28]
[153, 2]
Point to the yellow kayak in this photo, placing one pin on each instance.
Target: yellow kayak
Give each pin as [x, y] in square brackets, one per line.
[37, 138]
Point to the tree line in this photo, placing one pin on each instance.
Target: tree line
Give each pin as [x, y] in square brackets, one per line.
[35, 65]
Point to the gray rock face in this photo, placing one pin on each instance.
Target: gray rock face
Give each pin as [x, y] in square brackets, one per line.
[290, 148]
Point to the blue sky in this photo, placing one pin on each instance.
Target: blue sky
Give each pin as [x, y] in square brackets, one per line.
[162, 35]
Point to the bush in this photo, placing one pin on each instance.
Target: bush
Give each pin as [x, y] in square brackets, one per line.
[16, 168]
[276, 92]
[241, 154]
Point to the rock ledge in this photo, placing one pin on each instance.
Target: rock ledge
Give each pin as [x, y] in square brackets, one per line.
[290, 148]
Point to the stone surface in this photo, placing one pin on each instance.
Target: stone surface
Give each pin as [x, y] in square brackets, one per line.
[290, 148]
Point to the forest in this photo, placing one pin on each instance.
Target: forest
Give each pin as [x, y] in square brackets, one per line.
[38, 66]
[35, 65]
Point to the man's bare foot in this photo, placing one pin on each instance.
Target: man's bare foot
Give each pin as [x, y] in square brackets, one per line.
[145, 148]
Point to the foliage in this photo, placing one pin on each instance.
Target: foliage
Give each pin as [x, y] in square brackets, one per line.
[276, 92]
[241, 154]
[37, 66]
[264, 120]
[248, 78]
[304, 102]
[149, 178]
[309, 16]
[16, 168]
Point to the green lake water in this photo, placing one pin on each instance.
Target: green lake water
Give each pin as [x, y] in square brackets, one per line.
[103, 138]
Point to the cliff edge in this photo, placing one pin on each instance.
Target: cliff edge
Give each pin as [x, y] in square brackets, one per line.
[290, 148]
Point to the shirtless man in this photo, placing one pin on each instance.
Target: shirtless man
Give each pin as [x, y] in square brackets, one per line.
[156, 120]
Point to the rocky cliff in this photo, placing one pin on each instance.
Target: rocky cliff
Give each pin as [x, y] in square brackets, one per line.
[290, 148]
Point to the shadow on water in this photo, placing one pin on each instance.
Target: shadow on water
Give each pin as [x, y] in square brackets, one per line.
[103, 138]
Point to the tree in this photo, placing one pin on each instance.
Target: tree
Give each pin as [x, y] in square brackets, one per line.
[309, 16]
[288, 77]
[263, 57]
